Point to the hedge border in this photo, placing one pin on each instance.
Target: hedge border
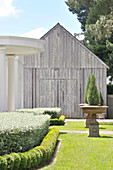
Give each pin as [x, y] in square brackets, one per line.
[37, 156]
[59, 121]
[23, 134]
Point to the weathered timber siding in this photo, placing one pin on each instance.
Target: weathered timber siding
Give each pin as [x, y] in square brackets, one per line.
[58, 76]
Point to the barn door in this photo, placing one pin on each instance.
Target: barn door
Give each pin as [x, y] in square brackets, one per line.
[59, 93]
[48, 93]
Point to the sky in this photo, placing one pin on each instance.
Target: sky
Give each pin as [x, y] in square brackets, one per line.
[33, 18]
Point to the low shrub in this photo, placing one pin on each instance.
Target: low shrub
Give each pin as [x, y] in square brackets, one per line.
[53, 112]
[23, 162]
[59, 121]
[20, 132]
[38, 111]
[37, 156]
[3, 163]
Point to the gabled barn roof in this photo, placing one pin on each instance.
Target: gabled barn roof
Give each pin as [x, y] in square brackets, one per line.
[57, 26]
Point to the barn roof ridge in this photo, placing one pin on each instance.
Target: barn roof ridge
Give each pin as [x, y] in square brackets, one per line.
[59, 25]
[54, 27]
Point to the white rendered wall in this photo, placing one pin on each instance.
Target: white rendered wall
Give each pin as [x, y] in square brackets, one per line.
[3, 102]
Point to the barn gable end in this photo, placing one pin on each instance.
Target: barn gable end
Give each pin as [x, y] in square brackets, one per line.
[57, 77]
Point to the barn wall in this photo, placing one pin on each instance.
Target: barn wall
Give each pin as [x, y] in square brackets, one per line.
[49, 88]
[58, 76]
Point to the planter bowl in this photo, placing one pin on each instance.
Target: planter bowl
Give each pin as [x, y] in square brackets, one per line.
[94, 109]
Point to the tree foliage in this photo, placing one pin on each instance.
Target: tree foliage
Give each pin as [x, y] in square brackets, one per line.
[92, 96]
[86, 92]
[81, 9]
[103, 28]
[110, 58]
[96, 18]
[101, 101]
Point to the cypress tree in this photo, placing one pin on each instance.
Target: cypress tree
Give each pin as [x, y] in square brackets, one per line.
[92, 96]
[86, 92]
[101, 101]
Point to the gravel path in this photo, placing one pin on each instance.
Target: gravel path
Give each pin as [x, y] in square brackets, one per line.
[75, 131]
[98, 120]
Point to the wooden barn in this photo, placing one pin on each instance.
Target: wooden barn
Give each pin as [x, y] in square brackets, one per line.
[58, 76]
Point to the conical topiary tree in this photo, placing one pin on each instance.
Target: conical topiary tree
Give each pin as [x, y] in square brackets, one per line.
[86, 92]
[92, 96]
[101, 101]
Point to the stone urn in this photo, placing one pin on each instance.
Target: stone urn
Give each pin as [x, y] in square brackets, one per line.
[93, 124]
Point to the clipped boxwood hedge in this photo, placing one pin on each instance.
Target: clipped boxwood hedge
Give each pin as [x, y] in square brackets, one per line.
[53, 112]
[59, 121]
[35, 157]
[20, 132]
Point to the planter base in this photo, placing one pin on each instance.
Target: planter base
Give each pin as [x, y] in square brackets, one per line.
[88, 120]
[93, 130]
[94, 127]
[87, 123]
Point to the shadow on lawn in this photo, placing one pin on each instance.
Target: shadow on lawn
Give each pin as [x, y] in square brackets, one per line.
[101, 128]
[106, 136]
[64, 133]
[105, 123]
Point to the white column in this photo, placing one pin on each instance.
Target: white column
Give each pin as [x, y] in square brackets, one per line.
[17, 90]
[18, 66]
[2, 80]
[11, 83]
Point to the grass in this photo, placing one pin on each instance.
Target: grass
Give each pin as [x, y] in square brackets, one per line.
[106, 126]
[78, 152]
[80, 126]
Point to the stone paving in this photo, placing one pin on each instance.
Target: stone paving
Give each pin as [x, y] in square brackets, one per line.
[72, 131]
[99, 120]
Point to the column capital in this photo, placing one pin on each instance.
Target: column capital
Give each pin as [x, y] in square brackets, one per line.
[10, 56]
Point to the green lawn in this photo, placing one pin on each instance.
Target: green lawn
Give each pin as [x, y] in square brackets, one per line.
[106, 126]
[78, 152]
[71, 125]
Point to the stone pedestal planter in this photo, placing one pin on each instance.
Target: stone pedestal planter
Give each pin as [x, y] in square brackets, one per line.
[93, 124]
[88, 120]
[94, 127]
[88, 117]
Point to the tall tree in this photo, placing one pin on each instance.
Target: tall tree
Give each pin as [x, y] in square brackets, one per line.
[96, 18]
[81, 9]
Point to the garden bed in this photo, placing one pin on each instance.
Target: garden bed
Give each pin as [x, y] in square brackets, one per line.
[20, 132]
[35, 157]
[53, 112]
[55, 118]
[57, 121]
